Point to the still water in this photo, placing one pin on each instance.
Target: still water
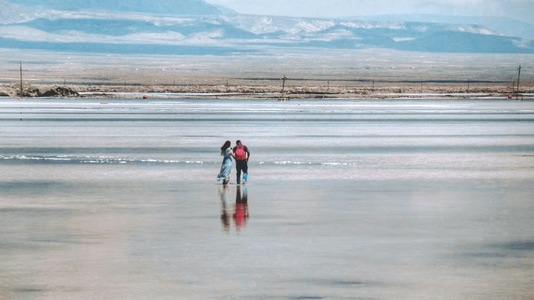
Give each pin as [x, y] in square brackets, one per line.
[347, 199]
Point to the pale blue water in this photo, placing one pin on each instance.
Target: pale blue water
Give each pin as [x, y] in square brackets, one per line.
[378, 199]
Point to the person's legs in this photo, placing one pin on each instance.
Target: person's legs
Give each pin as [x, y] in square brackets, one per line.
[238, 168]
[245, 171]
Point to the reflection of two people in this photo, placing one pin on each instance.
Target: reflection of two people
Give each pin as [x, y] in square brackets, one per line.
[240, 213]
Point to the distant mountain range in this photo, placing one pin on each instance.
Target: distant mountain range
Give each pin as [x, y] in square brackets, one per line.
[197, 27]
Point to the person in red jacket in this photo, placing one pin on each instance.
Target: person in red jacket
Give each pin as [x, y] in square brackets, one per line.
[241, 156]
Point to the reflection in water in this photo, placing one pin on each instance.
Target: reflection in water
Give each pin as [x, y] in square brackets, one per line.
[225, 219]
[241, 207]
[240, 214]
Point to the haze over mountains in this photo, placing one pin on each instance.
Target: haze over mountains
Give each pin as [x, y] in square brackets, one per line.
[197, 27]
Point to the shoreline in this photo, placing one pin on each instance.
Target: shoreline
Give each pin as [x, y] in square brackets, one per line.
[401, 91]
[302, 74]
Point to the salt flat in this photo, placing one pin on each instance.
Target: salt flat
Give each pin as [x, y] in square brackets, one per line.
[378, 199]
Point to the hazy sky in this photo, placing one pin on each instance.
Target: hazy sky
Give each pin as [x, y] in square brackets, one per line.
[519, 9]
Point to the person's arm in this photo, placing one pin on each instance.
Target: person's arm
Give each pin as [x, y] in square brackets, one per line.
[248, 152]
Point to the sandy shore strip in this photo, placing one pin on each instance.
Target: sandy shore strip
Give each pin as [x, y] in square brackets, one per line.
[393, 91]
[308, 74]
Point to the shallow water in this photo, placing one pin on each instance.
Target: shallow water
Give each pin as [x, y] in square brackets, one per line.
[404, 199]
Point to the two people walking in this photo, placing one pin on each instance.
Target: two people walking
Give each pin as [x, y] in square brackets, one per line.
[241, 154]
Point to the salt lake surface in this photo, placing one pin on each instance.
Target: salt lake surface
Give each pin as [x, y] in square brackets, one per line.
[347, 199]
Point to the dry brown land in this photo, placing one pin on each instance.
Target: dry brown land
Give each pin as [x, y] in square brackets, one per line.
[310, 74]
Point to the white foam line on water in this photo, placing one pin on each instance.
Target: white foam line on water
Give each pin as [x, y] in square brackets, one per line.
[133, 160]
[96, 159]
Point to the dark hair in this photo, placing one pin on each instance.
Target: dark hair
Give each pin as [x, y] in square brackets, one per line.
[226, 145]
[238, 142]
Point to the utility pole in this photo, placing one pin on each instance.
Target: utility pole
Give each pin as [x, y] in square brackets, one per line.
[283, 87]
[518, 79]
[21, 91]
